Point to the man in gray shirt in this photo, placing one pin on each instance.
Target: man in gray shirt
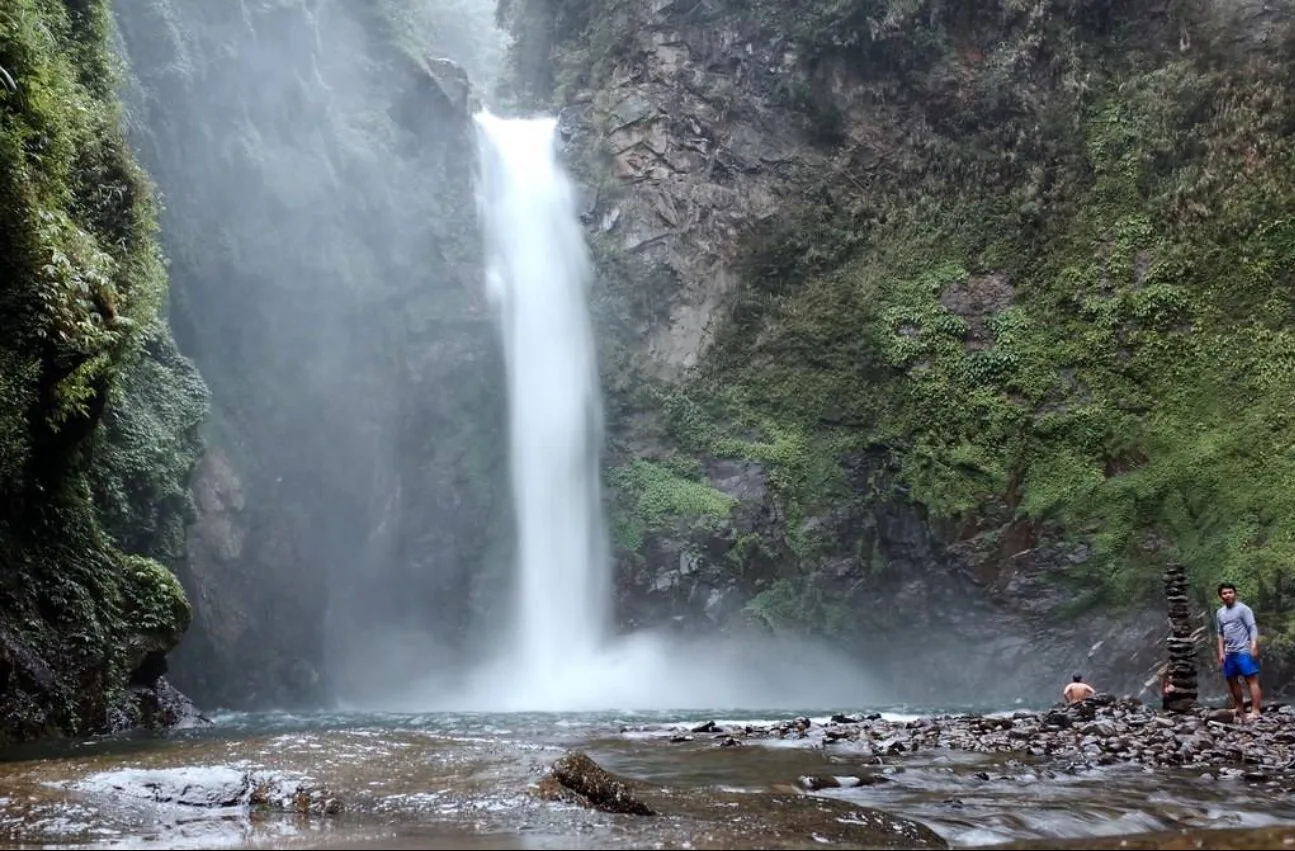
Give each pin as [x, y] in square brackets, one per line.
[1239, 649]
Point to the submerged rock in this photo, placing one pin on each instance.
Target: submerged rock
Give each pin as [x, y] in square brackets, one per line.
[782, 819]
[212, 787]
[597, 787]
[814, 782]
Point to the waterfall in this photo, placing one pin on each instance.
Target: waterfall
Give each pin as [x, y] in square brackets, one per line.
[538, 275]
[558, 653]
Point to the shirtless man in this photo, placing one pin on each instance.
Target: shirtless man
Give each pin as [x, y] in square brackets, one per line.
[1239, 650]
[1077, 690]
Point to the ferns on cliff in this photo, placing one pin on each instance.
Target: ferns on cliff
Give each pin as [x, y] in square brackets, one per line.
[1135, 391]
[81, 284]
[650, 496]
[77, 252]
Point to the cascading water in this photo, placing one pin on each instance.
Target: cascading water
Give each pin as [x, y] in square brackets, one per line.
[537, 274]
[558, 654]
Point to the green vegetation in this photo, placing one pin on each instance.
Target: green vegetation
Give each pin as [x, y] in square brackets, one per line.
[802, 463]
[153, 601]
[145, 447]
[800, 606]
[653, 497]
[1046, 293]
[95, 405]
[1101, 348]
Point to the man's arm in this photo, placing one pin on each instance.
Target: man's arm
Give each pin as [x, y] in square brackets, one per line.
[1252, 628]
[1220, 636]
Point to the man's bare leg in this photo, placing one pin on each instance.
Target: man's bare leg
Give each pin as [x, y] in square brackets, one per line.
[1255, 695]
[1238, 696]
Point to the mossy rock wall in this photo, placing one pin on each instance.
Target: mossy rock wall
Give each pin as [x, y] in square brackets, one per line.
[98, 412]
[994, 315]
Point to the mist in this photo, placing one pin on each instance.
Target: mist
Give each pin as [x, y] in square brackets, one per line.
[655, 670]
[356, 539]
[324, 262]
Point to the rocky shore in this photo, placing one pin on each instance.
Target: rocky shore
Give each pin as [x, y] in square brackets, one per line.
[1101, 731]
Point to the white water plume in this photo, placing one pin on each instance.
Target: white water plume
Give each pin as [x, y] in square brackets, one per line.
[538, 274]
[561, 655]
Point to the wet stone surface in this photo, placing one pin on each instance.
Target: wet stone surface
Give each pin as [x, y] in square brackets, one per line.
[575, 777]
[215, 787]
[1203, 840]
[1101, 731]
[405, 788]
[1091, 773]
[726, 818]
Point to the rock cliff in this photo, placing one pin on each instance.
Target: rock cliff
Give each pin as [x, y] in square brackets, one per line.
[937, 330]
[98, 411]
[315, 161]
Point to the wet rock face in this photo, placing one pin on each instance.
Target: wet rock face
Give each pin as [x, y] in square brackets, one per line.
[692, 151]
[597, 787]
[698, 155]
[213, 787]
[325, 276]
[935, 623]
[976, 300]
[156, 705]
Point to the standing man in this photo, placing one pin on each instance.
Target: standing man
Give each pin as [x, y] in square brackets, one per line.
[1239, 649]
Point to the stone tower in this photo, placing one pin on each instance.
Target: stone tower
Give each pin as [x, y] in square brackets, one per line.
[1182, 644]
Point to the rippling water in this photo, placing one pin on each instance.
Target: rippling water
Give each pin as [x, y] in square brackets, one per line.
[550, 727]
[462, 779]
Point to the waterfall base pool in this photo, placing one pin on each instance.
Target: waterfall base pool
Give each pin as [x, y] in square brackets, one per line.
[468, 780]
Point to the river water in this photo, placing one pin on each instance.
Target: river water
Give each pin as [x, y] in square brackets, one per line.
[465, 780]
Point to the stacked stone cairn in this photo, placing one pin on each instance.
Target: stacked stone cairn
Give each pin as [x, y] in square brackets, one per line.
[1182, 644]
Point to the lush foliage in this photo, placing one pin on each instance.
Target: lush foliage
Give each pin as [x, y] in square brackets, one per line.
[144, 449]
[653, 497]
[81, 284]
[1127, 383]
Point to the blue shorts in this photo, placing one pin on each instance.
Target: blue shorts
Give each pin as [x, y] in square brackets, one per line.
[1239, 665]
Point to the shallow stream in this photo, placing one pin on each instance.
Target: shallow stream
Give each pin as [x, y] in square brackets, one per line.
[467, 780]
